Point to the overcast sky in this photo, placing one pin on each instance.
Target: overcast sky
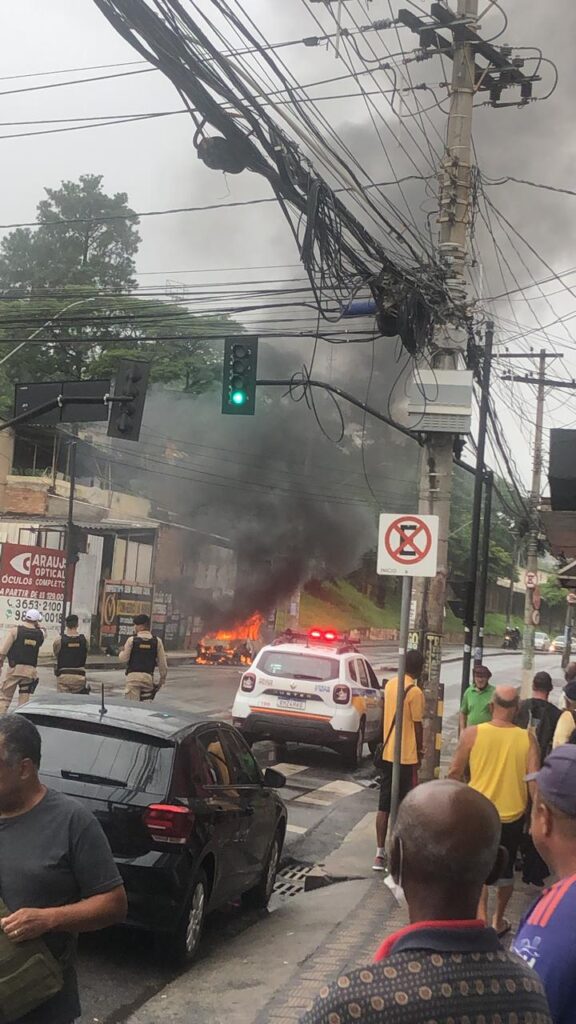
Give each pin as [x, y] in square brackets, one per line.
[155, 161]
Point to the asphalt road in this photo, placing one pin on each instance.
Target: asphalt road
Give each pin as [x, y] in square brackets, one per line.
[120, 970]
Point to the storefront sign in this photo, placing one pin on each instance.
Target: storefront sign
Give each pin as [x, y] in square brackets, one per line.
[32, 577]
[120, 603]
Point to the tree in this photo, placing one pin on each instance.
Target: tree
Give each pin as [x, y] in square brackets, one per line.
[504, 531]
[72, 244]
[552, 593]
[68, 286]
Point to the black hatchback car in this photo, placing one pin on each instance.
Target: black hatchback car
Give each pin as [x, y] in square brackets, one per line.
[191, 819]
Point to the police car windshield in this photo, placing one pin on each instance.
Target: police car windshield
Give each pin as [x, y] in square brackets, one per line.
[291, 665]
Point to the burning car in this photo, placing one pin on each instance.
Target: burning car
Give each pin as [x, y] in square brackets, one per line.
[234, 646]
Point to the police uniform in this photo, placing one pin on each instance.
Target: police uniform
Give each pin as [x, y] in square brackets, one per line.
[21, 647]
[142, 653]
[71, 651]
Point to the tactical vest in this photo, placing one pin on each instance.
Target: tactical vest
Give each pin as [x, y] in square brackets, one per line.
[72, 655]
[143, 655]
[26, 647]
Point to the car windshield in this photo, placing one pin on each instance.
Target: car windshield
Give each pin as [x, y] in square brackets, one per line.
[291, 665]
[90, 753]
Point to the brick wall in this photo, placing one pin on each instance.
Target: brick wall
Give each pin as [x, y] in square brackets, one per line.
[26, 500]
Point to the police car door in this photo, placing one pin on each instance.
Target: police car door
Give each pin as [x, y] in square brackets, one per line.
[373, 700]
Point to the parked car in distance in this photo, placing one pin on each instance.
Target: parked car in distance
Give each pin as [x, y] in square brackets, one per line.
[312, 688]
[192, 820]
[541, 642]
[557, 645]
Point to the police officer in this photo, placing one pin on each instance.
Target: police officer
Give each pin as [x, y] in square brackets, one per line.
[22, 647]
[71, 651]
[142, 654]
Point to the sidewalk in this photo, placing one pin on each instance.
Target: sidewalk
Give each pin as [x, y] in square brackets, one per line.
[272, 973]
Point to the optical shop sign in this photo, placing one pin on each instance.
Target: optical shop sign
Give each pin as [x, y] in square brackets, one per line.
[31, 577]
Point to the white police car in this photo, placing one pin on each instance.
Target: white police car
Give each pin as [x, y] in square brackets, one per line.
[311, 689]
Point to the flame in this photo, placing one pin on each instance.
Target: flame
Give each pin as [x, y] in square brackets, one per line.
[221, 647]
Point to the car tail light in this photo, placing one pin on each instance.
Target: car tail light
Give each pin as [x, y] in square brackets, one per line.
[248, 682]
[169, 823]
[341, 694]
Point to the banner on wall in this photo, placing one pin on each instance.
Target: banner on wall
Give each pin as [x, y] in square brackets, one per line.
[32, 577]
[120, 603]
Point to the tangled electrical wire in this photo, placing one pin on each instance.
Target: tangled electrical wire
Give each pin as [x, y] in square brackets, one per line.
[340, 255]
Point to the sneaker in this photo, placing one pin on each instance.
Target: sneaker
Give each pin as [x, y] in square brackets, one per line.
[379, 864]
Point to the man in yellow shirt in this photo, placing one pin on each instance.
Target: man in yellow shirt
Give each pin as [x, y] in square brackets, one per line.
[411, 754]
[499, 755]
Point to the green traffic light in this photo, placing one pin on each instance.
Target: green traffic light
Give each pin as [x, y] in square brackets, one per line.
[238, 397]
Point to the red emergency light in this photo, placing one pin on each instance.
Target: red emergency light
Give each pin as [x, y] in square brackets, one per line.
[328, 635]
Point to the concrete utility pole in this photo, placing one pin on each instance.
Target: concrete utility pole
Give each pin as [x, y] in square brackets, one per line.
[437, 460]
[535, 492]
[532, 554]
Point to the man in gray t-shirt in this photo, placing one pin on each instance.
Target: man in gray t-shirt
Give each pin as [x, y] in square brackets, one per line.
[57, 873]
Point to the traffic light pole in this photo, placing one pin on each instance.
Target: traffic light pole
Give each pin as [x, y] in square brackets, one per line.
[477, 509]
[484, 564]
[67, 600]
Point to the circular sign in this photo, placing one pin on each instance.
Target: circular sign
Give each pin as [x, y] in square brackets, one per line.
[571, 598]
[535, 618]
[408, 540]
[531, 580]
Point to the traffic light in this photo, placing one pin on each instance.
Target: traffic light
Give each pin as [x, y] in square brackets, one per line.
[239, 376]
[131, 382]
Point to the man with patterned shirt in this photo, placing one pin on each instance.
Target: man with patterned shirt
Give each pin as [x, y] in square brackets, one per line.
[446, 965]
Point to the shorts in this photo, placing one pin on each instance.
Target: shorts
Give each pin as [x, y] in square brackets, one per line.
[510, 839]
[408, 779]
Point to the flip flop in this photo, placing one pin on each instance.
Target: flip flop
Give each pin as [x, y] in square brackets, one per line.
[507, 927]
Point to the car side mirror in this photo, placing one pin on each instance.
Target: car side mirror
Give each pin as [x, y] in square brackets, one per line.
[274, 779]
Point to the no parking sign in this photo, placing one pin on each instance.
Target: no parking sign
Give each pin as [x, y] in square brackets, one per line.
[407, 545]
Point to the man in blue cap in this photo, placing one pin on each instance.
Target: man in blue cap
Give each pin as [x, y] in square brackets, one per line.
[545, 937]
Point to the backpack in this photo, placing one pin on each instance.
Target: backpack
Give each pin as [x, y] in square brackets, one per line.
[29, 975]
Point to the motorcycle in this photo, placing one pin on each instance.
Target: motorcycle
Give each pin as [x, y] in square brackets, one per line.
[511, 640]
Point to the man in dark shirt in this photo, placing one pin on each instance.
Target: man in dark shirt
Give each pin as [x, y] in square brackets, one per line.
[57, 874]
[539, 714]
[541, 717]
[446, 965]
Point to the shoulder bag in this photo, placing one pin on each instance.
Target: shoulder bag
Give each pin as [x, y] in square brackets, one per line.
[29, 975]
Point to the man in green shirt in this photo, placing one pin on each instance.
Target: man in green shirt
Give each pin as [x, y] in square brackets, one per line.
[475, 707]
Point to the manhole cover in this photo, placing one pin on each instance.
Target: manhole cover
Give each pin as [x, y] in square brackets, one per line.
[290, 879]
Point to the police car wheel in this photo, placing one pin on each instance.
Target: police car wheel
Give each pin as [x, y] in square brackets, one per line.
[353, 754]
[183, 946]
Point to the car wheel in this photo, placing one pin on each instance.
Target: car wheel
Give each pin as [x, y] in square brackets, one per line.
[354, 751]
[259, 897]
[182, 947]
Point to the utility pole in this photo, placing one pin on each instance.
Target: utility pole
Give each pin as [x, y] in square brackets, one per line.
[534, 504]
[437, 460]
[534, 531]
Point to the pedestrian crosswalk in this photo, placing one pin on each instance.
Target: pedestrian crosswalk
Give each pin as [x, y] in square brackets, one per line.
[312, 793]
